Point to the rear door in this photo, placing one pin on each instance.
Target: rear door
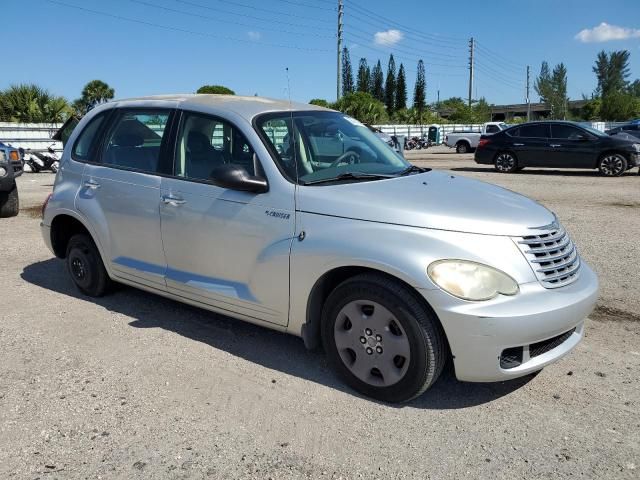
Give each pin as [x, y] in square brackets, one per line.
[120, 193]
[571, 147]
[531, 145]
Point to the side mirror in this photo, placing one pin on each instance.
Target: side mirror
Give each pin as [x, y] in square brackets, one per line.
[235, 177]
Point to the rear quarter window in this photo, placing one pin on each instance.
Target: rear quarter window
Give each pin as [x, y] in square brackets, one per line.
[85, 144]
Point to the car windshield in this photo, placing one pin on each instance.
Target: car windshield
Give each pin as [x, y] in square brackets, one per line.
[319, 147]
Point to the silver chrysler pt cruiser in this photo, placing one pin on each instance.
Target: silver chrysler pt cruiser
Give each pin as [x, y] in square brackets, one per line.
[300, 219]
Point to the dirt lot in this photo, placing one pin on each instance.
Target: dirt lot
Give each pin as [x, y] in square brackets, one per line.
[137, 386]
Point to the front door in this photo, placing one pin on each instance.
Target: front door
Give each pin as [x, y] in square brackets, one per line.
[224, 248]
[120, 195]
[572, 147]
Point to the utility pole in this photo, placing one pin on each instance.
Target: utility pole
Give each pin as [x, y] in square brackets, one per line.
[471, 48]
[528, 97]
[339, 70]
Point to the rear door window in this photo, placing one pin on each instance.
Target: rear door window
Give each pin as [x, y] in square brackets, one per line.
[493, 129]
[534, 131]
[135, 140]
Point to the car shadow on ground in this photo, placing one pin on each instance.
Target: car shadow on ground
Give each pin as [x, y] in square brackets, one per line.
[269, 348]
[549, 172]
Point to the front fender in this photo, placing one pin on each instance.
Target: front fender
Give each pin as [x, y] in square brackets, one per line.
[400, 251]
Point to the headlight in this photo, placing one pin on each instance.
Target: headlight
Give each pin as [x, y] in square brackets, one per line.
[636, 146]
[3, 172]
[471, 280]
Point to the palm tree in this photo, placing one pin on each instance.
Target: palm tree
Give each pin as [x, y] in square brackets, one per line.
[29, 103]
[94, 93]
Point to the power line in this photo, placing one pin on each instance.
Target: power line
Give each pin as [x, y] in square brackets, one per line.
[505, 59]
[414, 59]
[307, 5]
[270, 20]
[499, 64]
[413, 51]
[498, 79]
[275, 12]
[509, 78]
[181, 30]
[385, 21]
[215, 19]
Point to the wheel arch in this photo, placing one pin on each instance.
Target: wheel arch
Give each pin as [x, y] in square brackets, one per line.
[63, 227]
[328, 282]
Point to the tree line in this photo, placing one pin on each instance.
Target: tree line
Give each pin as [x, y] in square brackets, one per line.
[615, 98]
[30, 103]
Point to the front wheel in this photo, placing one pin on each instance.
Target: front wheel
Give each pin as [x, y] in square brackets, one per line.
[612, 165]
[506, 162]
[381, 339]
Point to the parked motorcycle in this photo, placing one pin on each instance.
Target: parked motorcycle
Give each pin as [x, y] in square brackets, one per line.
[39, 161]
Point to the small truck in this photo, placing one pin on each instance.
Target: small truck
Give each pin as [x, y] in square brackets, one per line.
[10, 168]
[466, 141]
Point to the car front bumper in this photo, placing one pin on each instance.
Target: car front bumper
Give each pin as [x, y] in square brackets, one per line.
[479, 332]
[634, 160]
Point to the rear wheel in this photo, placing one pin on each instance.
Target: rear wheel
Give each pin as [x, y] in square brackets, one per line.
[462, 147]
[9, 203]
[85, 266]
[612, 165]
[506, 162]
[381, 339]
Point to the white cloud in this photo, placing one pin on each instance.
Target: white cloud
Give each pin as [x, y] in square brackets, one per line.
[390, 37]
[254, 35]
[605, 32]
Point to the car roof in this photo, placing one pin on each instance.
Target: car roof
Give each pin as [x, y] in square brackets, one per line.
[247, 107]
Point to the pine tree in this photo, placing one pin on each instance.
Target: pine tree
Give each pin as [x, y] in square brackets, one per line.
[390, 86]
[420, 90]
[401, 89]
[377, 82]
[559, 92]
[612, 72]
[364, 74]
[347, 74]
[543, 83]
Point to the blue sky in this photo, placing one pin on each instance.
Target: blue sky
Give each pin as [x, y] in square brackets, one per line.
[247, 44]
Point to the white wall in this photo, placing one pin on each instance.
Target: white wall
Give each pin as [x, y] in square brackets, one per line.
[36, 136]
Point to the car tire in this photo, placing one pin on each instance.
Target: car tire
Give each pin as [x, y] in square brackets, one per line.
[506, 162]
[462, 147]
[381, 339]
[85, 266]
[9, 203]
[612, 164]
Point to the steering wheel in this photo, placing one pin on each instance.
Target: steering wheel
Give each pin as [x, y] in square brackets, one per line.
[349, 157]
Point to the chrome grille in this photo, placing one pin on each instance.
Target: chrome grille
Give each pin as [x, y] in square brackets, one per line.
[553, 257]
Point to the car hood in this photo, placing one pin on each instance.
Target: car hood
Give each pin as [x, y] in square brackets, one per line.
[429, 200]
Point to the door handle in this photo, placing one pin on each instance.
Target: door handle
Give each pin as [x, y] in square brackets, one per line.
[518, 144]
[172, 200]
[92, 184]
[554, 145]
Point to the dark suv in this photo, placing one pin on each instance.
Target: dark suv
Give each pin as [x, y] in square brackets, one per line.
[557, 145]
[10, 168]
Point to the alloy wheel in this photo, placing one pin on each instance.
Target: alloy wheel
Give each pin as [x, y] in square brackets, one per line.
[505, 162]
[612, 165]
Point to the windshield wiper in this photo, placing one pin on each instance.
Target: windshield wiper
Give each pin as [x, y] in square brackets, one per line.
[413, 169]
[350, 176]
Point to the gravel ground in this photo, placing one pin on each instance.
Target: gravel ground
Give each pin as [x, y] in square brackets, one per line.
[137, 386]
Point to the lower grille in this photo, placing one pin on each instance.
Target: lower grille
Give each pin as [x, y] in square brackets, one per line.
[537, 349]
[516, 356]
[553, 257]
